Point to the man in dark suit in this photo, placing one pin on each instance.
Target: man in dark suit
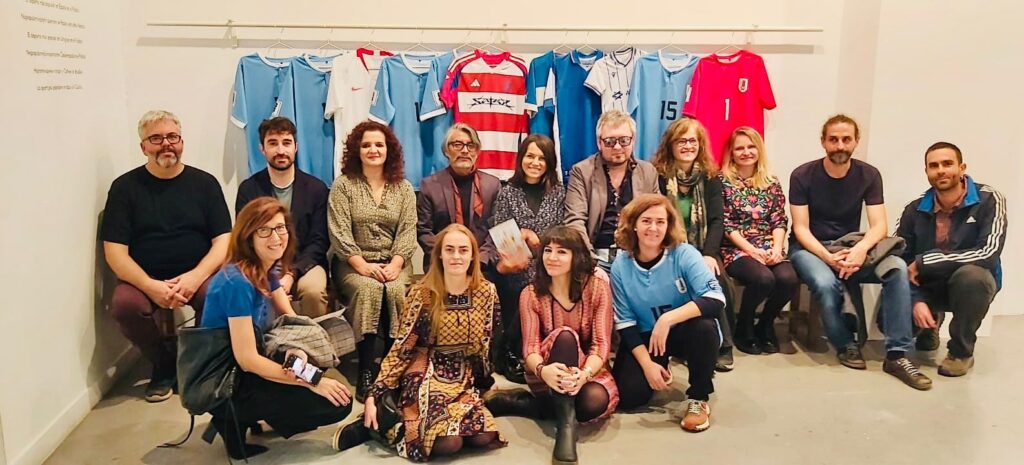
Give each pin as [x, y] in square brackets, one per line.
[306, 199]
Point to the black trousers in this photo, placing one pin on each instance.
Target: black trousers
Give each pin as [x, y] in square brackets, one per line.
[696, 340]
[289, 409]
[966, 294]
[511, 337]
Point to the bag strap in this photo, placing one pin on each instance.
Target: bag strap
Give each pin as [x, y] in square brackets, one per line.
[191, 426]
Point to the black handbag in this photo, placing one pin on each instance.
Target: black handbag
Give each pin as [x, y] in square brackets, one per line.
[388, 414]
[207, 371]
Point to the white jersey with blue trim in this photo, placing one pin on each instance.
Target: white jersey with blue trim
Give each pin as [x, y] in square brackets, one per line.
[611, 78]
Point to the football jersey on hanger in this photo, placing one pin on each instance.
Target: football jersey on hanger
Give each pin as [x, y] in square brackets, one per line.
[488, 92]
[658, 92]
[576, 107]
[348, 95]
[396, 103]
[434, 129]
[611, 78]
[315, 136]
[262, 90]
[542, 120]
[730, 91]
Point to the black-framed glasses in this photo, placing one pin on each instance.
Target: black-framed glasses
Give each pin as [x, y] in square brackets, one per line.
[264, 232]
[680, 143]
[458, 145]
[611, 141]
[157, 139]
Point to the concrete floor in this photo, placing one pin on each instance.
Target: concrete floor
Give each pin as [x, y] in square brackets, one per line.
[800, 408]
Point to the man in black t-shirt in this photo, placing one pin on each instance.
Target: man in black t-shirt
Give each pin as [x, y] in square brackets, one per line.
[826, 198]
[165, 232]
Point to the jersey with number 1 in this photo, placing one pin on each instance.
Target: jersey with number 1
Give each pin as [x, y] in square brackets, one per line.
[730, 91]
[657, 95]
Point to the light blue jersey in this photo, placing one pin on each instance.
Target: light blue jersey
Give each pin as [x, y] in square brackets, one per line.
[315, 138]
[657, 95]
[641, 296]
[577, 107]
[543, 120]
[396, 102]
[263, 90]
[434, 129]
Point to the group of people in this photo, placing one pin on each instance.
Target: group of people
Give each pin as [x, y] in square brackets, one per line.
[647, 252]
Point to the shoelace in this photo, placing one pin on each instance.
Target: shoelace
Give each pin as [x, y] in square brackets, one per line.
[908, 367]
[695, 407]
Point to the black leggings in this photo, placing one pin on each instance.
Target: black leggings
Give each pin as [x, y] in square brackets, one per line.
[774, 283]
[592, 399]
[695, 340]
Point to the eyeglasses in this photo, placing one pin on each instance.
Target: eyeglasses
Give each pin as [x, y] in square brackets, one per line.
[611, 141]
[264, 232]
[458, 145]
[157, 139]
[680, 143]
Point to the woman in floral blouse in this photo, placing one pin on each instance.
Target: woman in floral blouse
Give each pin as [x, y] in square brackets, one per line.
[755, 229]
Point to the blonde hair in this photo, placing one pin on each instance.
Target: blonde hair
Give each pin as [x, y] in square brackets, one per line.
[153, 116]
[664, 157]
[433, 280]
[762, 178]
[625, 233]
[614, 119]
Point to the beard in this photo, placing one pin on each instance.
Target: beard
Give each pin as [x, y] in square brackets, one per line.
[839, 157]
[168, 162]
[282, 164]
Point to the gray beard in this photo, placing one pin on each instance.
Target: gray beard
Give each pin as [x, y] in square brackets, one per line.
[840, 157]
[166, 163]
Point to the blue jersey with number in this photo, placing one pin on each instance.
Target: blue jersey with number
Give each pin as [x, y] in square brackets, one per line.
[435, 127]
[641, 296]
[315, 137]
[657, 95]
[263, 90]
[577, 108]
[396, 102]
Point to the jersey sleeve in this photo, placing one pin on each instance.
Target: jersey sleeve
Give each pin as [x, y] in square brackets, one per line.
[334, 101]
[550, 99]
[764, 86]
[534, 89]
[597, 81]
[382, 109]
[431, 104]
[238, 106]
[692, 97]
[633, 103]
[624, 315]
[700, 282]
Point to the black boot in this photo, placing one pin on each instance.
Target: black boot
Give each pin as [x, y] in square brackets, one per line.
[766, 338]
[514, 371]
[744, 339]
[351, 435]
[565, 430]
[234, 440]
[512, 402]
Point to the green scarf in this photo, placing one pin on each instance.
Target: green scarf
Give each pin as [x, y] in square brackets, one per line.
[693, 185]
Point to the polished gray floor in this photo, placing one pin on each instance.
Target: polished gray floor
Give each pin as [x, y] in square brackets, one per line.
[800, 408]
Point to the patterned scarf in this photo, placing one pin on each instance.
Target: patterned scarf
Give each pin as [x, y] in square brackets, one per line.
[477, 198]
[681, 185]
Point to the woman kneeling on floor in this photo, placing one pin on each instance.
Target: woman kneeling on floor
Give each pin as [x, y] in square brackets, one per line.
[425, 401]
[238, 298]
[666, 300]
[566, 318]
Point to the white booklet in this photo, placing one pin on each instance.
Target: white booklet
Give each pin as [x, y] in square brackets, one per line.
[509, 240]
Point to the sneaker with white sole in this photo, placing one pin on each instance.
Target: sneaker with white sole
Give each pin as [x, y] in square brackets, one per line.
[697, 417]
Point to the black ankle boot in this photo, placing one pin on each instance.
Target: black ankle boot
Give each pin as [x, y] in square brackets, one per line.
[565, 430]
[514, 371]
[744, 339]
[766, 338]
[512, 402]
[231, 436]
[351, 435]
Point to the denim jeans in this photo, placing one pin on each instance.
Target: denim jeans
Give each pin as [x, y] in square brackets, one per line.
[827, 290]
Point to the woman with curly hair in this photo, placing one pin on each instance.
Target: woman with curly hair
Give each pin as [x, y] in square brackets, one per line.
[371, 217]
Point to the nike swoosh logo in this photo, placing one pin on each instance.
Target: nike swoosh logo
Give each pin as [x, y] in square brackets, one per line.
[356, 88]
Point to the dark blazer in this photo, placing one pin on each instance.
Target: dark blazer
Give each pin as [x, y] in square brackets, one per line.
[309, 215]
[435, 205]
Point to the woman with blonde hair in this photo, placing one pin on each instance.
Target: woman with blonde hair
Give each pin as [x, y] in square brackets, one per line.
[426, 400]
[755, 228]
[688, 176]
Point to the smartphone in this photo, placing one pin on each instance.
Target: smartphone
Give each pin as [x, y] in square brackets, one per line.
[305, 371]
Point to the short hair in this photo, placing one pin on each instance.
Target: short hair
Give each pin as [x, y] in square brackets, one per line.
[394, 163]
[465, 129]
[614, 119]
[944, 145]
[837, 119]
[665, 158]
[276, 125]
[625, 234]
[547, 148]
[153, 116]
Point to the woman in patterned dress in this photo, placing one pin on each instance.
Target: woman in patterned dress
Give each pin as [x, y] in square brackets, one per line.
[567, 329]
[372, 221]
[755, 228]
[534, 198]
[439, 362]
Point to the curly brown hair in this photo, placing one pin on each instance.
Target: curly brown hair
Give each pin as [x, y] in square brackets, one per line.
[625, 234]
[394, 163]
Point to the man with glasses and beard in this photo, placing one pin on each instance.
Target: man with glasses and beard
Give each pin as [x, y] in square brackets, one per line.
[603, 183]
[165, 232]
[305, 196]
[826, 198]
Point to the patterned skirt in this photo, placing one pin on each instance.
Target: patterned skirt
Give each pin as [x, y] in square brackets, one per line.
[604, 377]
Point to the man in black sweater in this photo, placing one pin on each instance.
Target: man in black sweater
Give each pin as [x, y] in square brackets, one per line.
[955, 234]
[306, 198]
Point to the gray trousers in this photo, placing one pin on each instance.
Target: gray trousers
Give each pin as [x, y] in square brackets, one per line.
[966, 294]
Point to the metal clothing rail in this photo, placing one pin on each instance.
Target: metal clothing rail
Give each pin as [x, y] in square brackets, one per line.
[502, 28]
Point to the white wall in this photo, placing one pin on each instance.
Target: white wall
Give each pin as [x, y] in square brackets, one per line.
[60, 350]
[900, 68]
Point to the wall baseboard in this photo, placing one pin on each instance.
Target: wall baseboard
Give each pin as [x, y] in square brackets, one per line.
[40, 448]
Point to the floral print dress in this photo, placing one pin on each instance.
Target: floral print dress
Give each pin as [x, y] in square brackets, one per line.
[754, 212]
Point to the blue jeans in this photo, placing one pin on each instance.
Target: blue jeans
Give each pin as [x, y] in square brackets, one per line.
[827, 289]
